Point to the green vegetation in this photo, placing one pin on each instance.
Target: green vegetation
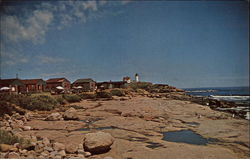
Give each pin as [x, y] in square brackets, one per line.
[60, 99]
[104, 94]
[141, 85]
[87, 95]
[71, 98]
[39, 102]
[117, 92]
[7, 138]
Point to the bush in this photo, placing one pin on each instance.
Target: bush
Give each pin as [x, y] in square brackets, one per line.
[87, 95]
[41, 102]
[117, 92]
[104, 94]
[71, 98]
[140, 85]
[8, 138]
[60, 100]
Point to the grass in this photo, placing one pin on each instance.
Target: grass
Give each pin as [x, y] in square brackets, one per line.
[37, 102]
[140, 85]
[7, 138]
[104, 94]
[88, 95]
[117, 92]
[71, 98]
[41, 93]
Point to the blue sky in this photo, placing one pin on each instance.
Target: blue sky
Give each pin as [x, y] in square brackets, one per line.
[181, 43]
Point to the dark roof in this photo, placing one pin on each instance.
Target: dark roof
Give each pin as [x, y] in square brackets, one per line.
[55, 80]
[32, 81]
[84, 80]
[13, 81]
[112, 82]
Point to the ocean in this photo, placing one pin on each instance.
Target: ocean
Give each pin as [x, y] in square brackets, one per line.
[239, 95]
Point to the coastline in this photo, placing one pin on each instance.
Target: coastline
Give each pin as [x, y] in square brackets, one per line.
[138, 121]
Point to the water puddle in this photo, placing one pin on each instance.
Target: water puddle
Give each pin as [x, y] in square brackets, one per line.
[187, 136]
[91, 120]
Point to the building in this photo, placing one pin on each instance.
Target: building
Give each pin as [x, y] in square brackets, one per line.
[86, 84]
[11, 85]
[52, 83]
[127, 79]
[34, 85]
[111, 84]
[136, 77]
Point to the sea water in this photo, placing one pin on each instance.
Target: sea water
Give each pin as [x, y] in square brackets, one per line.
[239, 95]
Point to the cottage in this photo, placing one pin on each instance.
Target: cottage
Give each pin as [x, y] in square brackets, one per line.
[111, 84]
[86, 84]
[11, 85]
[52, 83]
[34, 85]
[127, 79]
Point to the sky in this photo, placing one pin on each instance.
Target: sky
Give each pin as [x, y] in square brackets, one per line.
[186, 44]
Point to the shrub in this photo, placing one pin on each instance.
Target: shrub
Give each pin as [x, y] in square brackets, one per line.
[60, 100]
[71, 98]
[5, 108]
[104, 94]
[41, 102]
[140, 85]
[87, 95]
[117, 92]
[8, 138]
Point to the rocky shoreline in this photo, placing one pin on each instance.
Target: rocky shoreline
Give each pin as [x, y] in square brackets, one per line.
[128, 127]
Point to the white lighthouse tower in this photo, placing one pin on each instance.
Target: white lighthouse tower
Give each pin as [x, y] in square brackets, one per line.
[136, 77]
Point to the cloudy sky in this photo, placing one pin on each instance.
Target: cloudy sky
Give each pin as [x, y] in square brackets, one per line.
[182, 43]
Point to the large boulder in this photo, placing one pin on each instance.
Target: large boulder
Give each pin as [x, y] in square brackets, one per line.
[54, 117]
[58, 146]
[13, 155]
[71, 148]
[70, 114]
[6, 148]
[99, 142]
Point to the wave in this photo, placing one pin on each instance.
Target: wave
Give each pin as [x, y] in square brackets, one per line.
[231, 98]
[201, 91]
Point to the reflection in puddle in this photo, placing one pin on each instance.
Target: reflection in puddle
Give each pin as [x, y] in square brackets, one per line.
[186, 136]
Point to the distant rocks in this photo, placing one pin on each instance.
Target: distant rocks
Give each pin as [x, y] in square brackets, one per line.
[98, 142]
[70, 114]
[54, 117]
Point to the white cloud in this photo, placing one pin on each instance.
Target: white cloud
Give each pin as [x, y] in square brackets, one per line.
[34, 24]
[103, 2]
[34, 28]
[126, 1]
[49, 59]
[90, 5]
[13, 58]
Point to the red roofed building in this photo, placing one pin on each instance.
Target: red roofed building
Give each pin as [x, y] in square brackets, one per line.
[52, 83]
[14, 85]
[34, 85]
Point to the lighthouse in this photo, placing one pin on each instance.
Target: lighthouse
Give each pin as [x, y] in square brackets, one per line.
[136, 77]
